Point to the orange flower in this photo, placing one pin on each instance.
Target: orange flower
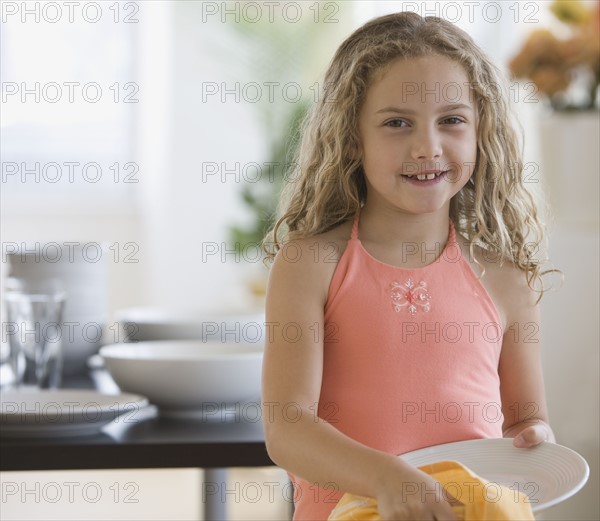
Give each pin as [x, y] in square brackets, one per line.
[550, 62]
[540, 49]
[582, 50]
[550, 81]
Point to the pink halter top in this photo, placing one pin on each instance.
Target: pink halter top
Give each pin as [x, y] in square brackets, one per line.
[410, 358]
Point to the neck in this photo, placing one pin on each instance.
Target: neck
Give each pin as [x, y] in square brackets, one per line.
[425, 232]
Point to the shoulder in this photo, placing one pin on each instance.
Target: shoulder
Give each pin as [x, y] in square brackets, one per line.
[506, 283]
[307, 264]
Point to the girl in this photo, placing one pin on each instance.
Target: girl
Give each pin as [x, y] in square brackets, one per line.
[401, 304]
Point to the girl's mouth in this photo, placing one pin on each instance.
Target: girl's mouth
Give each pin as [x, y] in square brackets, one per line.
[427, 179]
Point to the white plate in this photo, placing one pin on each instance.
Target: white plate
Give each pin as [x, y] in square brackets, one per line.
[548, 473]
[63, 412]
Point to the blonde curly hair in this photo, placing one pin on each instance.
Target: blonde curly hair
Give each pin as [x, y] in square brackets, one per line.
[493, 210]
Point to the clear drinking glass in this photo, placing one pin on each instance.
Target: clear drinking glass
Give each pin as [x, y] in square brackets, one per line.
[34, 310]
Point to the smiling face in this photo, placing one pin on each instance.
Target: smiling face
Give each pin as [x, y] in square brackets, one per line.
[418, 117]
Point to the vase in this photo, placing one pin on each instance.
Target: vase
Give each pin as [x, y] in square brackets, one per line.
[570, 166]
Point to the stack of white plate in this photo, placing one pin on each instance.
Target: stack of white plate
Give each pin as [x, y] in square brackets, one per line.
[82, 269]
[44, 413]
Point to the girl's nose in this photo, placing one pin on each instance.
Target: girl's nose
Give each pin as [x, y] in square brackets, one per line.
[427, 145]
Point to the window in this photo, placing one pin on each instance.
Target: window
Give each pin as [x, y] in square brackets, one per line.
[68, 104]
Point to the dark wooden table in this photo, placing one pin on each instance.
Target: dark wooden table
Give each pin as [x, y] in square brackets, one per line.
[147, 441]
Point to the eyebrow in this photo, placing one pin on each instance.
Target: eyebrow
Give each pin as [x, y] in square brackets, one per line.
[410, 111]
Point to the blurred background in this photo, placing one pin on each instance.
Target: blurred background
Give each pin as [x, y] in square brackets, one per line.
[161, 130]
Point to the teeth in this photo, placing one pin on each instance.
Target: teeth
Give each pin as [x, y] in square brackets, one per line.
[422, 177]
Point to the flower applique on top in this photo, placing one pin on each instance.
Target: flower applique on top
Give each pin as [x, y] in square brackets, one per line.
[411, 296]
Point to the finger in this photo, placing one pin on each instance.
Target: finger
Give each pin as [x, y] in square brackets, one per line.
[445, 513]
[531, 436]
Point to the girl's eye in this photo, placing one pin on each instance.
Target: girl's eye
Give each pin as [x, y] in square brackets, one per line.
[453, 120]
[395, 123]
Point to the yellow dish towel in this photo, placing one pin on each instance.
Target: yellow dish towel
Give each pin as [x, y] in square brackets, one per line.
[477, 498]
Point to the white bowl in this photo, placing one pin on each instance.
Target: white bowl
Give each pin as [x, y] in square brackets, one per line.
[188, 378]
[144, 324]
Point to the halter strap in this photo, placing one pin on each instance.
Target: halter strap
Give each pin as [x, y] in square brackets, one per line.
[354, 235]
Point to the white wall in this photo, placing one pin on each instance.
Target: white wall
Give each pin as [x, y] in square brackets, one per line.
[185, 212]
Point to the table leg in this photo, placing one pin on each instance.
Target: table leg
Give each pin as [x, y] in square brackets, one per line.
[292, 505]
[215, 481]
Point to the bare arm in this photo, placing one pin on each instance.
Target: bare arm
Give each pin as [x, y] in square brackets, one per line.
[522, 383]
